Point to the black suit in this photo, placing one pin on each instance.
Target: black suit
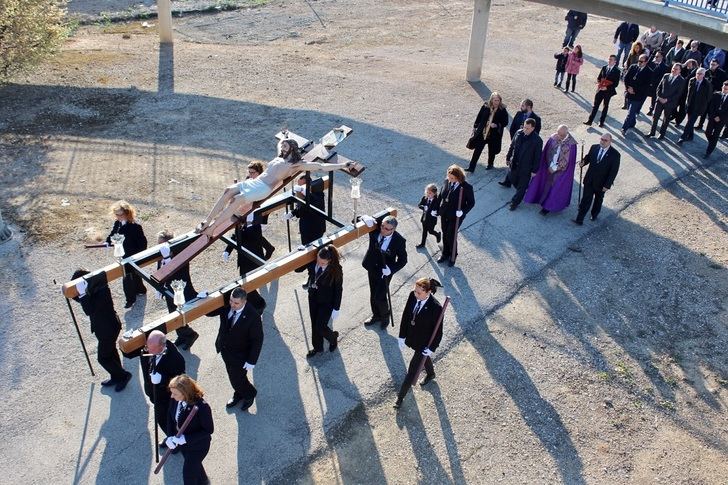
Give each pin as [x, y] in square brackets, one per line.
[105, 324]
[639, 80]
[658, 71]
[239, 342]
[417, 336]
[427, 219]
[716, 79]
[184, 333]
[198, 436]
[324, 296]
[604, 96]
[393, 256]
[696, 104]
[520, 118]
[599, 175]
[250, 237]
[450, 203]
[524, 156]
[670, 88]
[134, 242]
[718, 108]
[495, 135]
[170, 365]
[310, 223]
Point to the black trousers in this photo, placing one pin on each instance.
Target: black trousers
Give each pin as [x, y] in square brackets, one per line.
[570, 78]
[666, 111]
[193, 473]
[520, 181]
[238, 376]
[712, 133]
[320, 316]
[689, 130]
[378, 295]
[590, 195]
[108, 358]
[428, 229]
[448, 237]
[161, 408]
[476, 155]
[133, 285]
[602, 97]
[414, 366]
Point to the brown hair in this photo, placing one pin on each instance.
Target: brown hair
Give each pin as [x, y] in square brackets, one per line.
[188, 387]
[428, 284]
[257, 166]
[457, 172]
[331, 254]
[295, 155]
[127, 208]
[432, 188]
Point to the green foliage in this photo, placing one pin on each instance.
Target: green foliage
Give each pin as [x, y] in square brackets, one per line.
[29, 31]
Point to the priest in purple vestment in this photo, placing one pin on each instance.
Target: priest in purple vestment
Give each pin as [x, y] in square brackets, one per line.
[551, 186]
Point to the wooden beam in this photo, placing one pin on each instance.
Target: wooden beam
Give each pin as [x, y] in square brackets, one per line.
[136, 338]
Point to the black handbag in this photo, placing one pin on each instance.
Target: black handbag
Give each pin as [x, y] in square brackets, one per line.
[470, 145]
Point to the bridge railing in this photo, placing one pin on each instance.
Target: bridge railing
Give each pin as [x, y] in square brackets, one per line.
[716, 8]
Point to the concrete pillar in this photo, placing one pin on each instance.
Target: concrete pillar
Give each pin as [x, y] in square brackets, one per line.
[164, 17]
[5, 232]
[478, 32]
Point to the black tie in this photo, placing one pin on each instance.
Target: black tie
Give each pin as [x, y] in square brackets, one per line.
[416, 310]
[601, 155]
[231, 320]
[318, 272]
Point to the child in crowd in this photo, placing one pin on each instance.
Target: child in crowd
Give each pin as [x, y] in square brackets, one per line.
[561, 58]
[429, 205]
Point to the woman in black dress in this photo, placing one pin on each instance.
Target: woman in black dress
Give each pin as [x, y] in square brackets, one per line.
[325, 287]
[488, 130]
[417, 327]
[134, 242]
[194, 443]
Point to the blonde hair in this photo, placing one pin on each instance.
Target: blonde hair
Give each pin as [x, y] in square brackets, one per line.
[495, 94]
[128, 209]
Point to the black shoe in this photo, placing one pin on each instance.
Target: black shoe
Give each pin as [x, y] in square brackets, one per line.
[624, 107]
[577, 222]
[122, 383]
[680, 141]
[312, 352]
[504, 184]
[543, 212]
[188, 343]
[601, 124]
[443, 259]
[512, 207]
[649, 113]
[270, 253]
[489, 166]
[247, 403]
[385, 324]
[335, 343]
[469, 170]
[233, 401]
[305, 286]
[373, 321]
[129, 304]
[706, 155]
[451, 263]
[649, 135]
[588, 123]
[624, 132]
[420, 246]
[427, 379]
[397, 404]
[593, 218]
[108, 382]
[699, 128]
[661, 137]
[438, 236]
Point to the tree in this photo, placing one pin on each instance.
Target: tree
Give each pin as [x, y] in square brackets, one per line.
[29, 31]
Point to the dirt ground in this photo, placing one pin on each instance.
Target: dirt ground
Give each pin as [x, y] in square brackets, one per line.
[573, 355]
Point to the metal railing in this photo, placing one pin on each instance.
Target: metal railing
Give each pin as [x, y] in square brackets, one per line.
[716, 8]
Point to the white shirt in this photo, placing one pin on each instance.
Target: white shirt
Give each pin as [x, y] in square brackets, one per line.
[384, 242]
[234, 315]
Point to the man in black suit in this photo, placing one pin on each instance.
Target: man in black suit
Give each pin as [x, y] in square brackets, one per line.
[95, 298]
[386, 254]
[659, 69]
[248, 236]
[456, 200]
[637, 82]
[523, 158]
[239, 341]
[310, 223]
[669, 91]
[716, 75]
[520, 118]
[607, 82]
[603, 161]
[717, 118]
[699, 94]
[159, 365]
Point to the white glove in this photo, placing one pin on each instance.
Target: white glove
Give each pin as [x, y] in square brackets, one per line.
[181, 440]
[248, 366]
[202, 294]
[386, 271]
[334, 315]
[81, 287]
[427, 352]
[165, 261]
[225, 256]
[158, 295]
[288, 216]
[459, 213]
[155, 377]
[368, 220]
[170, 442]
[164, 250]
[400, 342]
[301, 247]
[299, 189]
[433, 213]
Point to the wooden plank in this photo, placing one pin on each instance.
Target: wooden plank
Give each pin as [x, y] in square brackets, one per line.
[136, 338]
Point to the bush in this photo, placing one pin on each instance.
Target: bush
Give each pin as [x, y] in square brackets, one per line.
[29, 31]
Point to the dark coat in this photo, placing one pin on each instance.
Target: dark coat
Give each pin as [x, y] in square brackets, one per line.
[691, 54]
[575, 19]
[671, 90]
[627, 33]
[310, 223]
[245, 339]
[450, 198]
[134, 239]
[427, 219]
[658, 71]
[667, 44]
[99, 307]
[170, 365]
[495, 135]
[250, 237]
[716, 78]
[525, 153]
[395, 257]
[561, 59]
[518, 120]
[326, 291]
[613, 76]
[639, 80]
[417, 336]
[198, 433]
[718, 107]
[601, 174]
[698, 99]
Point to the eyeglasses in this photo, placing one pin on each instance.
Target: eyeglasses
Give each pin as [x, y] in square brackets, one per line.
[604, 139]
[641, 62]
